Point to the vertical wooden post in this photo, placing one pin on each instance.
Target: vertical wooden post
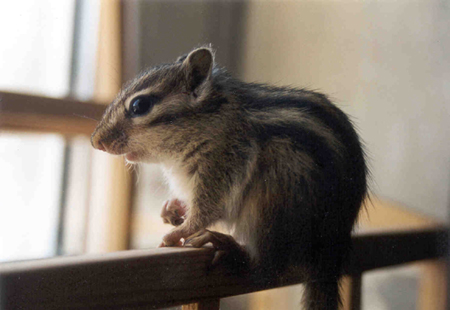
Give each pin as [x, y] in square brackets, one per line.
[355, 292]
[432, 285]
[351, 292]
[110, 205]
[109, 53]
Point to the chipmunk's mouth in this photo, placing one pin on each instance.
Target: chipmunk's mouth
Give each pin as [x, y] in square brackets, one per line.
[132, 156]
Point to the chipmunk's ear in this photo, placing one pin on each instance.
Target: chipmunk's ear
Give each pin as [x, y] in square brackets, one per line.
[197, 67]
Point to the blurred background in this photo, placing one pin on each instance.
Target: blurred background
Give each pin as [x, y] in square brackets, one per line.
[383, 62]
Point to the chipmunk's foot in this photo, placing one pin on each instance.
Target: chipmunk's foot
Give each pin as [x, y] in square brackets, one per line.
[174, 212]
[228, 251]
[173, 238]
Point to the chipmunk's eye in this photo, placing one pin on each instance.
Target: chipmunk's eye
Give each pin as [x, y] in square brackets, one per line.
[142, 105]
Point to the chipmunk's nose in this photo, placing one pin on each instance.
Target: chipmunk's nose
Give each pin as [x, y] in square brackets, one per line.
[97, 142]
[101, 147]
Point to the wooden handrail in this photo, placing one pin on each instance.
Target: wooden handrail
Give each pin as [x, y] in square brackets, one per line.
[140, 279]
[35, 113]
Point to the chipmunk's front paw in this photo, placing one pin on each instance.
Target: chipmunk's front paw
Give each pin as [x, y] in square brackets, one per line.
[174, 212]
[173, 238]
[228, 251]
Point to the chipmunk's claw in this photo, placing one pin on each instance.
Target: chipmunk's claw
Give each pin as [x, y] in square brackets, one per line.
[174, 212]
[227, 249]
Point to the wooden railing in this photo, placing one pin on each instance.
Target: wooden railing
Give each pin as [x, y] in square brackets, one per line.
[157, 278]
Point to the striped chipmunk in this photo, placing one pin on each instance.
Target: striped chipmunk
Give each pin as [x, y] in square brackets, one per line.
[282, 168]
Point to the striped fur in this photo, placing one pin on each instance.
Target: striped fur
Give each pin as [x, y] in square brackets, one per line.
[282, 167]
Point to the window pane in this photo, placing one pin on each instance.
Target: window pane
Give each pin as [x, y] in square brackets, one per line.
[31, 174]
[35, 55]
[77, 196]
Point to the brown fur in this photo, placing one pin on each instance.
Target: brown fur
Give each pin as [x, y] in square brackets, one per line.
[283, 168]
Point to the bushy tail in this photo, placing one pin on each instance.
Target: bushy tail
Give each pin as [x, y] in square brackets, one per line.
[321, 294]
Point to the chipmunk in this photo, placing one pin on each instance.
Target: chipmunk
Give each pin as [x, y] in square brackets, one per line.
[283, 168]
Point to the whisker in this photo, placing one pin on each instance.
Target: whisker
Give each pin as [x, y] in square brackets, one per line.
[138, 172]
[84, 116]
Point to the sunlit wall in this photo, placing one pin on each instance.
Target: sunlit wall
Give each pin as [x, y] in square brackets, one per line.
[384, 62]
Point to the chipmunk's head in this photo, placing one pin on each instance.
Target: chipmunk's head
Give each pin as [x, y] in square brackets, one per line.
[149, 119]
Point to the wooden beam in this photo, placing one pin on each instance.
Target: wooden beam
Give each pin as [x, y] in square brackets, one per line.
[36, 113]
[386, 214]
[167, 277]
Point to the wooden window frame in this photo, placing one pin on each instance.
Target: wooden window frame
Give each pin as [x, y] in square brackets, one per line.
[21, 112]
